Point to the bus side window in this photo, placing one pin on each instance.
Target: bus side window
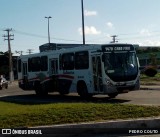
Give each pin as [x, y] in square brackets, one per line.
[68, 61]
[82, 60]
[29, 65]
[44, 63]
[19, 65]
[60, 62]
[36, 64]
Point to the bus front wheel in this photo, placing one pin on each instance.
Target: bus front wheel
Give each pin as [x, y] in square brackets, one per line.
[112, 95]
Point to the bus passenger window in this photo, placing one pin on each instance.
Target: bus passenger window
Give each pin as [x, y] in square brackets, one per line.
[81, 60]
[68, 61]
[44, 63]
[36, 64]
[60, 62]
[19, 65]
[29, 65]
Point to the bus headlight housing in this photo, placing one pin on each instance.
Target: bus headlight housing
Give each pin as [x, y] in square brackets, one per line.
[108, 82]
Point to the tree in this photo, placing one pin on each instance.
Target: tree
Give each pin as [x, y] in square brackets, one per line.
[153, 58]
[4, 66]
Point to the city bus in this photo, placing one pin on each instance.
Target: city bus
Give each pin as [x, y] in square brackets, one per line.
[108, 69]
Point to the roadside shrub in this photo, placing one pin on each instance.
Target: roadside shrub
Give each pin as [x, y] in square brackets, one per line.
[150, 71]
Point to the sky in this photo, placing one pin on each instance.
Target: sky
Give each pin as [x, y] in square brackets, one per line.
[133, 21]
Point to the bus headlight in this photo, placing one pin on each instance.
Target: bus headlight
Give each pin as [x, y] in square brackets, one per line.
[108, 83]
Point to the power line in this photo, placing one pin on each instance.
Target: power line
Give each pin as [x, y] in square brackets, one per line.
[120, 34]
[141, 37]
[40, 36]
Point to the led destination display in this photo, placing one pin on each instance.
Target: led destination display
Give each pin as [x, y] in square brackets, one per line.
[118, 48]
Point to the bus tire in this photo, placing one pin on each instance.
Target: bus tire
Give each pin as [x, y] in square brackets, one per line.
[82, 90]
[112, 95]
[40, 89]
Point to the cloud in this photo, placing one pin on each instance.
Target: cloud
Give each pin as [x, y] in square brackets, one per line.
[151, 43]
[90, 30]
[145, 32]
[110, 25]
[90, 13]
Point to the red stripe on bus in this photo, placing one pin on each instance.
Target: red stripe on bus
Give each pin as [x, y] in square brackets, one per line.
[36, 78]
[65, 76]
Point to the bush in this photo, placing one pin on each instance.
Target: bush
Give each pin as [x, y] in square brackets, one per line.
[150, 71]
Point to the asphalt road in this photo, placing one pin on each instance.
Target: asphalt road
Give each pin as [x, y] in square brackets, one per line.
[148, 96]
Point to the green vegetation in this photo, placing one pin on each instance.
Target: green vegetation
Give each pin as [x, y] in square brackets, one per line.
[4, 68]
[18, 115]
[147, 49]
[146, 80]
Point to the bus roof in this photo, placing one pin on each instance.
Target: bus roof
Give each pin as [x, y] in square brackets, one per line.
[78, 47]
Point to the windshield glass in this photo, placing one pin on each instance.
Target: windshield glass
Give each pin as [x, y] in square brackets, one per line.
[121, 66]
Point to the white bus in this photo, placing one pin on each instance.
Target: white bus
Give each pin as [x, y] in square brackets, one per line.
[87, 70]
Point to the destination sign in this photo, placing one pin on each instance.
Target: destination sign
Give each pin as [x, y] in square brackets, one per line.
[118, 48]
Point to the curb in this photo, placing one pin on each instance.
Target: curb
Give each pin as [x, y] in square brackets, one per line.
[149, 88]
[144, 87]
[96, 129]
[131, 123]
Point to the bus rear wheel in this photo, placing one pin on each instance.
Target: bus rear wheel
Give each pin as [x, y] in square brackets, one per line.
[82, 91]
[40, 89]
[112, 95]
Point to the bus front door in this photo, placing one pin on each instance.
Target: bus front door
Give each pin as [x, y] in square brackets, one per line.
[97, 73]
[53, 66]
[25, 75]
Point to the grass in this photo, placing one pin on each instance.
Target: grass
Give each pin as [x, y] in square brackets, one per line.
[18, 115]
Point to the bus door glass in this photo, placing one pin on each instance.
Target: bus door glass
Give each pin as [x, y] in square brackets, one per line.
[53, 66]
[97, 73]
[53, 70]
[24, 71]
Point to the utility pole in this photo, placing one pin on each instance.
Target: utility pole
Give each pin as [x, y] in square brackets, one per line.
[83, 29]
[48, 29]
[30, 51]
[114, 39]
[19, 52]
[8, 37]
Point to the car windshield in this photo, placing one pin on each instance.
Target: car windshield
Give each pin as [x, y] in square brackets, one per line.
[121, 66]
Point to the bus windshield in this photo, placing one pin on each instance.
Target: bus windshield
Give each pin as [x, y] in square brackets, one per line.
[121, 66]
